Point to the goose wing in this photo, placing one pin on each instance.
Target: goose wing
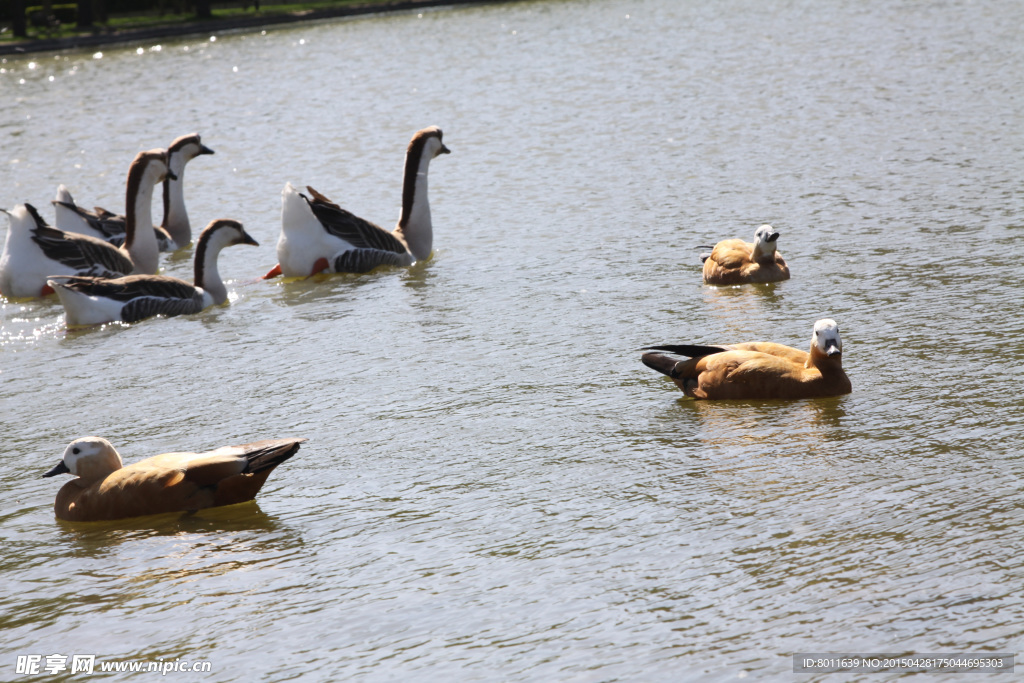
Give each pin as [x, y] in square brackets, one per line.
[365, 260]
[143, 296]
[360, 233]
[82, 253]
[130, 286]
[102, 221]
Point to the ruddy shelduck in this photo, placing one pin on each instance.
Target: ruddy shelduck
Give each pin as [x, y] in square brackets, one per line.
[757, 370]
[172, 482]
[735, 262]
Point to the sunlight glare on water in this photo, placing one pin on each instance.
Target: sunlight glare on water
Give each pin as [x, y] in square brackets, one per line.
[494, 487]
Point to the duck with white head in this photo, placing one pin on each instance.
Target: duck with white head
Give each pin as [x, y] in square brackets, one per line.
[736, 262]
[756, 370]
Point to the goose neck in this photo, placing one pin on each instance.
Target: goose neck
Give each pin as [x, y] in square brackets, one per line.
[140, 240]
[414, 224]
[207, 273]
[175, 219]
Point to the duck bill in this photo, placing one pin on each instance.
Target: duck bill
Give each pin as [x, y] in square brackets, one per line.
[774, 236]
[832, 351]
[61, 468]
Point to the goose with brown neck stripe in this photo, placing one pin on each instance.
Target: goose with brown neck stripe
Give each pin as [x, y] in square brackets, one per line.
[317, 235]
[33, 250]
[93, 301]
[176, 230]
[176, 222]
[756, 370]
[106, 225]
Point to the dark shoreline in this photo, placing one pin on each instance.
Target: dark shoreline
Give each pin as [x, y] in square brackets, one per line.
[217, 25]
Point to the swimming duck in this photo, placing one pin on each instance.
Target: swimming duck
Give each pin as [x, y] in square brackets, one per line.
[105, 489]
[106, 225]
[34, 251]
[96, 300]
[757, 370]
[175, 232]
[317, 235]
[735, 262]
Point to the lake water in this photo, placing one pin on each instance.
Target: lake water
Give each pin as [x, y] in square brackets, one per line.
[494, 487]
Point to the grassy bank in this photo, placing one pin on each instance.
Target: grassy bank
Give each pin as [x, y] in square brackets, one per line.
[239, 14]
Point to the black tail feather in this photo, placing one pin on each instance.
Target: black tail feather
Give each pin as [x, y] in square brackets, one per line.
[266, 455]
[689, 350]
[660, 362]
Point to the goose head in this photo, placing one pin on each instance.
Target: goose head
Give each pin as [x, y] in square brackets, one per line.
[152, 166]
[764, 243]
[427, 144]
[183, 150]
[220, 233]
[223, 232]
[825, 340]
[90, 458]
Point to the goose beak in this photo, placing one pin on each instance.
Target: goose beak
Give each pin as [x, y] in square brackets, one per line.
[61, 468]
[171, 175]
[203, 149]
[443, 150]
[248, 239]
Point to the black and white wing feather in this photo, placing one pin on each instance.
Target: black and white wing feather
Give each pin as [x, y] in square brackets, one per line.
[84, 254]
[143, 296]
[365, 260]
[106, 223]
[360, 233]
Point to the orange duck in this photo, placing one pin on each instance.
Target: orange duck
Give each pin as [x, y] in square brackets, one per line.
[735, 262]
[757, 370]
[172, 482]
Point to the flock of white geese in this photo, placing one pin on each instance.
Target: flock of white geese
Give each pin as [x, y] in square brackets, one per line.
[103, 267]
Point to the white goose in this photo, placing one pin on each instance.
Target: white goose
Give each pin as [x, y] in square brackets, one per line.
[317, 235]
[94, 300]
[176, 230]
[101, 223]
[34, 251]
